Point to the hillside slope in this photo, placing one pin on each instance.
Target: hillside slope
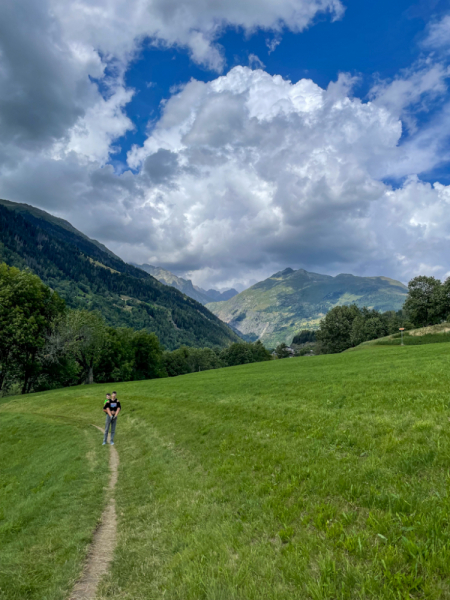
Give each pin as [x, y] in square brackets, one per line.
[186, 286]
[87, 275]
[432, 334]
[310, 478]
[275, 309]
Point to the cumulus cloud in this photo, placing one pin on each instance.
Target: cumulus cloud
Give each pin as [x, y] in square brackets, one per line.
[194, 24]
[241, 176]
[53, 54]
[272, 173]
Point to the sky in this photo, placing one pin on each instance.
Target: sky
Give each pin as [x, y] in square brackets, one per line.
[225, 140]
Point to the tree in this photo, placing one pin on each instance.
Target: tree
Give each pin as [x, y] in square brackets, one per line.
[445, 305]
[176, 362]
[241, 353]
[117, 357]
[80, 334]
[368, 325]
[335, 332]
[425, 303]
[27, 310]
[148, 356]
[282, 351]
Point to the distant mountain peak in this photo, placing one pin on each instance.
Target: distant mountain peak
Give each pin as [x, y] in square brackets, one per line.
[186, 286]
[275, 309]
[283, 273]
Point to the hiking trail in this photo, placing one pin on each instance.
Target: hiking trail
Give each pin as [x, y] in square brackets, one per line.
[102, 547]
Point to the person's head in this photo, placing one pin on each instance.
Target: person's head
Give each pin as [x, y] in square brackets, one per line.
[114, 395]
[108, 396]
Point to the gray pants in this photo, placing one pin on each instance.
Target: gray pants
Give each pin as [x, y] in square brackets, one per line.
[112, 422]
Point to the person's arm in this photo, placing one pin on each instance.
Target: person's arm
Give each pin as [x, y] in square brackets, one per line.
[117, 412]
[107, 410]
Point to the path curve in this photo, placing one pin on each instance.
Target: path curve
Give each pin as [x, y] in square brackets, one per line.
[102, 547]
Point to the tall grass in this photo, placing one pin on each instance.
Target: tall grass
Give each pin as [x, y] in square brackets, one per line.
[315, 478]
[51, 494]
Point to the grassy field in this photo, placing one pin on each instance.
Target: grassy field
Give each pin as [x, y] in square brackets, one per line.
[323, 477]
[52, 474]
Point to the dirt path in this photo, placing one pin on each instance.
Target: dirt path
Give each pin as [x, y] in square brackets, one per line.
[102, 547]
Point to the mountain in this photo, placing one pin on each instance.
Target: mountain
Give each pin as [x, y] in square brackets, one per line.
[217, 296]
[186, 286]
[88, 275]
[275, 309]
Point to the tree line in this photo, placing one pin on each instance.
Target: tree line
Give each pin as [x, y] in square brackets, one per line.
[343, 327]
[46, 345]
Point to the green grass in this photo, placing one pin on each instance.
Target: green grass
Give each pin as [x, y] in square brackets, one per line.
[414, 340]
[324, 477]
[51, 495]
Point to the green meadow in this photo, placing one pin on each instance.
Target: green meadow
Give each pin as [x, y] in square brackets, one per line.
[320, 477]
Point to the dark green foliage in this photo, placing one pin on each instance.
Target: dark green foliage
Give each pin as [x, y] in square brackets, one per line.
[44, 346]
[122, 355]
[335, 333]
[348, 326]
[27, 310]
[148, 355]
[428, 301]
[305, 336]
[244, 353]
[282, 351]
[189, 360]
[129, 356]
[79, 335]
[90, 277]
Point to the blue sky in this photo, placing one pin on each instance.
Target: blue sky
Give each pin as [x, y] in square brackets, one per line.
[372, 40]
[225, 140]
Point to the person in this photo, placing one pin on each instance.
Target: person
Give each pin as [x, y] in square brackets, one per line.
[112, 408]
[108, 397]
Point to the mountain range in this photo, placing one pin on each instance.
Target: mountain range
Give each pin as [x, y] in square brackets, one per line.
[275, 309]
[186, 286]
[88, 275]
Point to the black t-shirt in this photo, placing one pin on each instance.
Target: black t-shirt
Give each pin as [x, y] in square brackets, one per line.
[113, 406]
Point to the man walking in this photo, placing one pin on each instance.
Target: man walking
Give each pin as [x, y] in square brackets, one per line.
[112, 408]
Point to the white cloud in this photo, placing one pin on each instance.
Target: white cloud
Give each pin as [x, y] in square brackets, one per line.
[241, 176]
[254, 62]
[62, 62]
[438, 35]
[114, 26]
[93, 135]
[273, 43]
[413, 90]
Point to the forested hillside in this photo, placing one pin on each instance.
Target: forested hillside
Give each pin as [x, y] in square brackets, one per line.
[275, 309]
[87, 275]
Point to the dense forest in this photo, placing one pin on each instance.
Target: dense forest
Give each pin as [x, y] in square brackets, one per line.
[89, 277]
